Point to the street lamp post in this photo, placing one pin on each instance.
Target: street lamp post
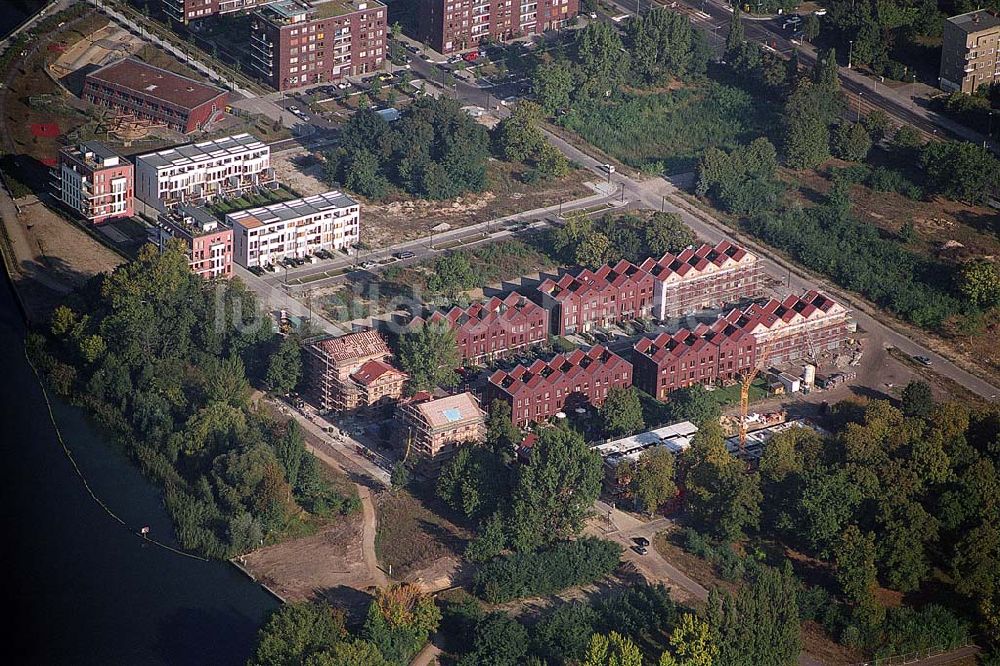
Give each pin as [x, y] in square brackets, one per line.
[859, 106]
[850, 53]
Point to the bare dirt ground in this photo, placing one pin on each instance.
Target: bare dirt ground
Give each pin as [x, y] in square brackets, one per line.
[302, 173]
[420, 544]
[327, 565]
[406, 218]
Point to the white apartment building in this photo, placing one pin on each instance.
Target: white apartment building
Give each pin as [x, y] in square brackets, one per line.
[296, 228]
[94, 181]
[199, 172]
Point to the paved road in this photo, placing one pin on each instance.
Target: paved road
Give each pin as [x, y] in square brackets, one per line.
[308, 276]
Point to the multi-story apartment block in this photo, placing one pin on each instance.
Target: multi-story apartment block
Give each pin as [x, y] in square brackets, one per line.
[199, 172]
[296, 228]
[294, 43]
[703, 277]
[351, 371]
[969, 51]
[94, 181]
[542, 389]
[485, 331]
[457, 25]
[760, 335]
[155, 96]
[185, 11]
[434, 429]
[578, 302]
[209, 242]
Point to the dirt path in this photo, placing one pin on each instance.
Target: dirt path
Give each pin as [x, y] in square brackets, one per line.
[368, 537]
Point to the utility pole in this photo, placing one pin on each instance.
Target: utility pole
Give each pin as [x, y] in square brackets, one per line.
[850, 53]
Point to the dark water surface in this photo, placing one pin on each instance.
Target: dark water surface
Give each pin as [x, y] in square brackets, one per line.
[82, 588]
[13, 13]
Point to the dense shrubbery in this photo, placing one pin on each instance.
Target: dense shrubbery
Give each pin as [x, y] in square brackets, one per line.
[547, 571]
[592, 243]
[829, 240]
[435, 150]
[741, 181]
[159, 355]
[398, 622]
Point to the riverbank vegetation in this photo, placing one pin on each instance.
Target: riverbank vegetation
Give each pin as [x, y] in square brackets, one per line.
[164, 360]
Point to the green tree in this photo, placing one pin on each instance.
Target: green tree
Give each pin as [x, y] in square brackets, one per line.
[551, 163]
[499, 640]
[850, 141]
[979, 281]
[960, 170]
[284, 370]
[826, 73]
[917, 399]
[489, 542]
[552, 84]
[665, 232]
[429, 355]
[694, 404]
[565, 632]
[761, 625]
[828, 503]
[612, 650]
[653, 480]
[294, 632]
[554, 490]
[811, 28]
[502, 436]
[594, 251]
[691, 644]
[364, 176]
[736, 37]
[602, 62]
[720, 494]
[621, 412]
[517, 136]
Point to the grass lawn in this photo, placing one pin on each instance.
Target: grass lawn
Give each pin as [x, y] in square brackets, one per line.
[668, 131]
[730, 395]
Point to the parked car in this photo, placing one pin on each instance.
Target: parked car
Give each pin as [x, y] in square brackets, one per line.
[820, 12]
[343, 85]
[256, 270]
[923, 359]
[471, 56]
[642, 541]
[405, 254]
[608, 168]
[642, 550]
[792, 21]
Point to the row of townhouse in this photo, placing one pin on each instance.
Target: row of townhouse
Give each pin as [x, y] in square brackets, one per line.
[696, 278]
[760, 335]
[538, 391]
[485, 331]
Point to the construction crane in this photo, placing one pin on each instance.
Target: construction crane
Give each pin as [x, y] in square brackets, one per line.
[745, 383]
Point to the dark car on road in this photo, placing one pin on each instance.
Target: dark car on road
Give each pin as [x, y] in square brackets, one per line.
[406, 254]
[641, 541]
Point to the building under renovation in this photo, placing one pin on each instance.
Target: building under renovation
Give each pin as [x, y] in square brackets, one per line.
[351, 371]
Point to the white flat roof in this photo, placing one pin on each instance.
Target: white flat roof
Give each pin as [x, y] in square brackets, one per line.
[291, 210]
[205, 151]
[676, 437]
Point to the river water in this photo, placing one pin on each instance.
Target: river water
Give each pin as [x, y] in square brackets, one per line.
[82, 588]
[15, 11]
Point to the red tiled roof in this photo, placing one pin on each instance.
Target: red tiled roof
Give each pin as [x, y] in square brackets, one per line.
[354, 346]
[513, 309]
[569, 365]
[371, 371]
[149, 81]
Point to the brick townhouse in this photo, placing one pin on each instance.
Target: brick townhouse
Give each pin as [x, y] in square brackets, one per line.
[760, 335]
[457, 25]
[485, 331]
[351, 371]
[540, 390]
[797, 327]
[184, 11]
[155, 95]
[581, 301]
[294, 43]
[703, 277]
[667, 362]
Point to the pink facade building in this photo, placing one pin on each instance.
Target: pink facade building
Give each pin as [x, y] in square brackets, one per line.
[94, 181]
[209, 242]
